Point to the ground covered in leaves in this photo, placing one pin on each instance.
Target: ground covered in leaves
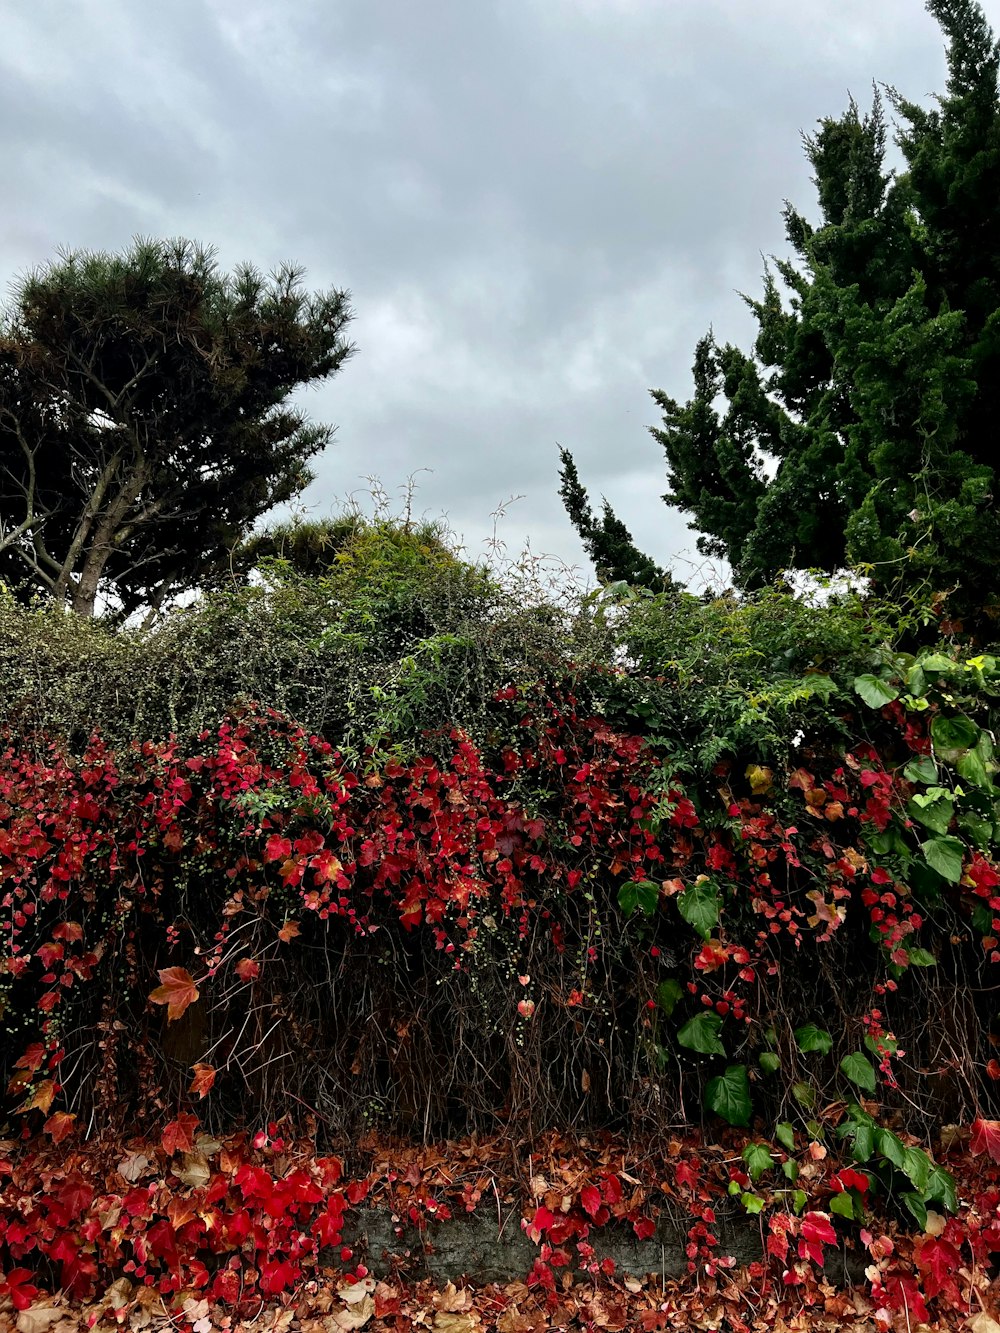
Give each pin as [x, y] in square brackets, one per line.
[195, 1233]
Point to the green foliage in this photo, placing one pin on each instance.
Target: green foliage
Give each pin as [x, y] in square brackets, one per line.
[859, 429]
[144, 418]
[606, 539]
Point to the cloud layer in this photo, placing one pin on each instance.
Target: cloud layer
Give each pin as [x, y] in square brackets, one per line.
[539, 207]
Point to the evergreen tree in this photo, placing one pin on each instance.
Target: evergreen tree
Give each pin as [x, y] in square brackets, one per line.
[860, 429]
[144, 422]
[607, 540]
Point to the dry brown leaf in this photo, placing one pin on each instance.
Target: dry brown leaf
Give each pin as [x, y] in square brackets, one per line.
[983, 1323]
[452, 1300]
[133, 1166]
[194, 1170]
[357, 1291]
[118, 1294]
[447, 1322]
[935, 1223]
[352, 1316]
[39, 1318]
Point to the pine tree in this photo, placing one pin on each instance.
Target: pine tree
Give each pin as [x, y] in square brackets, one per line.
[144, 422]
[860, 428]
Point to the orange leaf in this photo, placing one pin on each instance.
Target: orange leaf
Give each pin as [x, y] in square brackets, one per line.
[32, 1057]
[248, 969]
[60, 1125]
[288, 931]
[204, 1077]
[41, 1098]
[68, 930]
[177, 991]
[985, 1138]
[178, 1135]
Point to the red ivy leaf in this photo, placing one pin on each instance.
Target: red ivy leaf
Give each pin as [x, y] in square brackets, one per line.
[248, 969]
[985, 1138]
[590, 1198]
[204, 1078]
[178, 1136]
[60, 1125]
[177, 991]
[277, 848]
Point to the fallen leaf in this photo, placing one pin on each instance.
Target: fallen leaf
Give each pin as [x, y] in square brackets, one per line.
[354, 1316]
[118, 1294]
[451, 1300]
[204, 1078]
[39, 1318]
[177, 991]
[194, 1170]
[983, 1323]
[446, 1322]
[60, 1125]
[133, 1166]
[357, 1291]
[178, 1136]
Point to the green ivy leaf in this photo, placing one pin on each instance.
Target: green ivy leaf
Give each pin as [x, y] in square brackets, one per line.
[753, 1203]
[917, 1168]
[941, 1189]
[864, 1142]
[811, 1038]
[843, 1205]
[790, 1169]
[769, 1062]
[799, 1200]
[699, 906]
[668, 995]
[785, 1135]
[952, 736]
[918, 1208]
[642, 894]
[922, 770]
[876, 693]
[890, 1147]
[804, 1094]
[922, 958]
[934, 809]
[937, 662]
[758, 1159]
[728, 1095]
[858, 1068]
[701, 1034]
[945, 855]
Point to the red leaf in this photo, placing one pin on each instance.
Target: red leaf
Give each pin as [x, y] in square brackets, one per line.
[277, 848]
[985, 1138]
[32, 1057]
[288, 932]
[204, 1078]
[60, 1125]
[178, 1135]
[590, 1198]
[644, 1227]
[939, 1262]
[41, 1098]
[68, 930]
[19, 1287]
[177, 991]
[248, 969]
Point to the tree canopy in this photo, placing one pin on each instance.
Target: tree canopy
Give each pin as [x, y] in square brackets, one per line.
[860, 427]
[144, 417]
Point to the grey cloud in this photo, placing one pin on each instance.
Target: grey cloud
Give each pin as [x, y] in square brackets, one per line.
[538, 206]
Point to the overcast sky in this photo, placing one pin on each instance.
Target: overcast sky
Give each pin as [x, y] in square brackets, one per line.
[538, 205]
